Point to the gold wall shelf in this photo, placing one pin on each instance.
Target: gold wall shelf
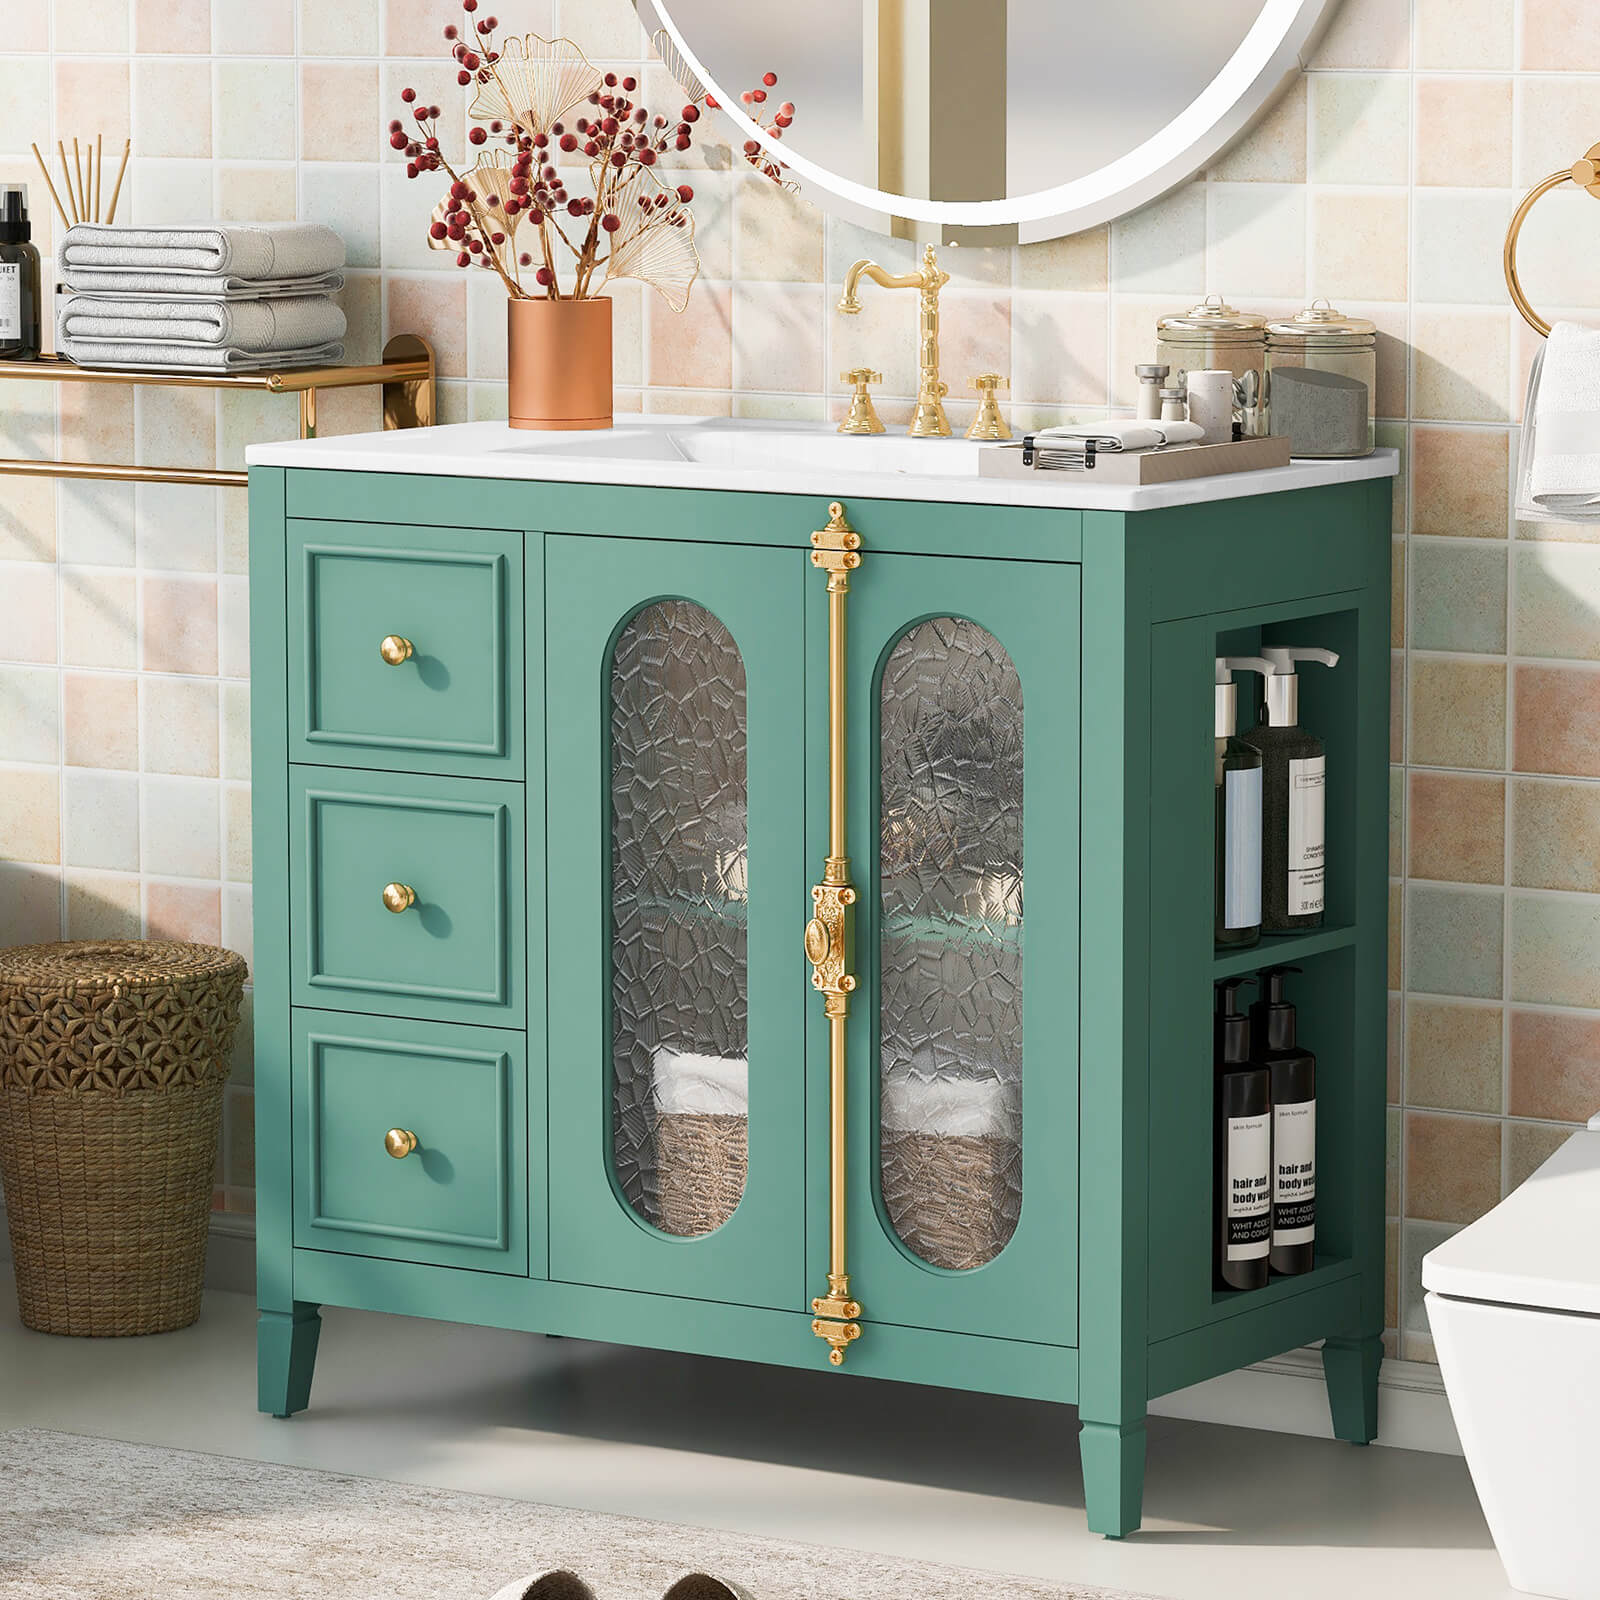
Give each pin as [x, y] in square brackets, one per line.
[1585, 173]
[406, 373]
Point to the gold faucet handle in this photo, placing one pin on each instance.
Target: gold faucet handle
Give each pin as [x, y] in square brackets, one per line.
[988, 423]
[861, 418]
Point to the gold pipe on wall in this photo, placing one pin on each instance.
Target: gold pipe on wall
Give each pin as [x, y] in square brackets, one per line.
[836, 550]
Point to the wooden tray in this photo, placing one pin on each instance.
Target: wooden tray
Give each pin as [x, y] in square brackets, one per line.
[1175, 463]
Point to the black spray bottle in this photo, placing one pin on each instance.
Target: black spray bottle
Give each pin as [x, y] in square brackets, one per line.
[1294, 773]
[20, 308]
[1243, 1150]
[1294, 1125]
[1236, 778]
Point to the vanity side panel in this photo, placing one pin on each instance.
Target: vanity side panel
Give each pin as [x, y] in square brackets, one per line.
[704, 516]
[269, 736]
[1115, 984]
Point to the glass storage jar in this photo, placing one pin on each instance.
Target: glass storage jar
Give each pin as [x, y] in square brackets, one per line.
[1212, 336]
[1322, 376]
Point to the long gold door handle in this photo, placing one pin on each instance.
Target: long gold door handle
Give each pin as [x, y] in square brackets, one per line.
[396, 648]
[398, 897]
[399, 1142]
[836, 550]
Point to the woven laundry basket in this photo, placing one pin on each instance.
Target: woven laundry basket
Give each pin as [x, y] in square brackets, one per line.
[702, 1138]
[112, 1060]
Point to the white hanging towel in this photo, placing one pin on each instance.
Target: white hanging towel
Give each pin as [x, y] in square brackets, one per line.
[1560, 473]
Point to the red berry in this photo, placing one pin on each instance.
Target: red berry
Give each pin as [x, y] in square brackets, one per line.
[463, 259]
[569, 141]
[758, 95]
[751, 147]
[395, 125]
[408, 95]
[437, 230]
[769, 78]
[469, 5]
[630, 84]
[575, 208]
[682, 142]
[748, 96]
[709, 102]
[421, 113]
[497, 238]
[458, 190]
[524, 260]
[478, 136]
[471, 59]
[685, 193]
[611, 80]
[786, 109]
[647, 158]
[463, 78]
[411, 169]
[398, 140]
[433, 111]
[781, 121]
[450, 30]
[611, 222]
[618, 159]
[591, 149]
[544, 277]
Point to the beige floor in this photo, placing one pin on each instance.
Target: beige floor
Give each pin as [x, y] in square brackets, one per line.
[983, 1482]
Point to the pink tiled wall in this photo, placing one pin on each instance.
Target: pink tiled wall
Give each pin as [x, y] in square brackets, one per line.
[1383, 180]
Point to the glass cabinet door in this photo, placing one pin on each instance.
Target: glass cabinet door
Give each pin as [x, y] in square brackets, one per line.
[674, 701]
[963, 1068]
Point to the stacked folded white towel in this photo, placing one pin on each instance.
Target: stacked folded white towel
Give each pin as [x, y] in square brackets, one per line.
[206, 297]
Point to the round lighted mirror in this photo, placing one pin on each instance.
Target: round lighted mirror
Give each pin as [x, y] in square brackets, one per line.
[988, 121]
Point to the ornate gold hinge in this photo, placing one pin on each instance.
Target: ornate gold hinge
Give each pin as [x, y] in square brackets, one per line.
[836, 550]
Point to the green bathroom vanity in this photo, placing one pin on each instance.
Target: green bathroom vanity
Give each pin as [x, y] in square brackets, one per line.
[556, 740]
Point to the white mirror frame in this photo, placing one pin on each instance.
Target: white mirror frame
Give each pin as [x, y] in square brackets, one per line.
[1271, 56]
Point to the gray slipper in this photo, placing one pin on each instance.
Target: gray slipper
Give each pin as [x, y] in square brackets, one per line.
[558, 1585]
[701, 1586]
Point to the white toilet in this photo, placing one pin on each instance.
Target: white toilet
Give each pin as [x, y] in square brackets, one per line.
[1514, 1303]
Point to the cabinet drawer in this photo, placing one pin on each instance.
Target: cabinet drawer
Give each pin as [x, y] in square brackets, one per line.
[405, 647]
[449, 853]
[459, 1196]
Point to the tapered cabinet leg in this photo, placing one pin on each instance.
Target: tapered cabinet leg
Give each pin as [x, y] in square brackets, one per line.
[1113, 1476]
[286, 1352]
[1350, 1368]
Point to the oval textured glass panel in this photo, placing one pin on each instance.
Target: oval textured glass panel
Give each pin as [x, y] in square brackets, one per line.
[679, 895]
[950, 943]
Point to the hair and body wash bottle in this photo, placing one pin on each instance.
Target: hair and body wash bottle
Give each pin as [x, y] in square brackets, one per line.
[1243, 1149]
[1293, 1072]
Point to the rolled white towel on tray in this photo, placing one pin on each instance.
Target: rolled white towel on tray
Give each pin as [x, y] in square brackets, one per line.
[690, 1084]
[1560, 475]
[241, 250]
[249, 326]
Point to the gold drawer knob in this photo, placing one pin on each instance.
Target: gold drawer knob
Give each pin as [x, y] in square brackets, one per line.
[396, 649]
[399, 1142]
[398, 897]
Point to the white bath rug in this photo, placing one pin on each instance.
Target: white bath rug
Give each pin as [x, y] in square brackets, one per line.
[92, 1519]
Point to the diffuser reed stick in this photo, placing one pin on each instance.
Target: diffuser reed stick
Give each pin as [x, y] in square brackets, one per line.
[116, 188]
[66, 178]
[99, 171]
[61, 210]
[83, 198]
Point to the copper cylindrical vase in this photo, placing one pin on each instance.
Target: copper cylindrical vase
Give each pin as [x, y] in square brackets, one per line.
[558, 363]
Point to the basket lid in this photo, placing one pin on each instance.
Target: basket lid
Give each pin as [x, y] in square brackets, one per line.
[1320, 323]
[123, 964]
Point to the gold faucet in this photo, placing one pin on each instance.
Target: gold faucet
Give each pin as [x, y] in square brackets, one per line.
[929, 420]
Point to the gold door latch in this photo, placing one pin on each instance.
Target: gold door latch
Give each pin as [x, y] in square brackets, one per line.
[836, 550]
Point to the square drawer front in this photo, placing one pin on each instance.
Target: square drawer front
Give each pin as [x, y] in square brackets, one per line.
[447, 855]
[405, 647]
[458, 1195]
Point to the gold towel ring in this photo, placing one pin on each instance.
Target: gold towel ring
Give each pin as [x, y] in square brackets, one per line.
[1586, 174]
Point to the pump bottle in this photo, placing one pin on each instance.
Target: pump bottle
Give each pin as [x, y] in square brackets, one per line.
[20, 309]
[1293, 779]
[1236, 778]
[1243, 1150]
[1294, 1125]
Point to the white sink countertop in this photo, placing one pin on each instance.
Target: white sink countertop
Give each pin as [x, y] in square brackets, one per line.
[773, 458]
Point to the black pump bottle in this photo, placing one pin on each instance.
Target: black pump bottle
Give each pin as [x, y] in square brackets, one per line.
[19, 277]
[1294, 1125]
[1243, 1150]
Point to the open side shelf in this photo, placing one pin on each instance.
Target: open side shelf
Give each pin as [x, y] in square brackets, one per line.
[1329, 1269]
[1281, 949]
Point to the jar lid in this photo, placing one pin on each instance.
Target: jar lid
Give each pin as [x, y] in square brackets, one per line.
[1212, 316]
[1320, 322]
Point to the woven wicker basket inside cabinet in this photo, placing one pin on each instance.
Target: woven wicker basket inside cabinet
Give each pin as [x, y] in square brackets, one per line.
[112, 1062]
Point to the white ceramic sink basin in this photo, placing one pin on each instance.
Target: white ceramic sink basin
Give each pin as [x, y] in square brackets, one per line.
[757, 446]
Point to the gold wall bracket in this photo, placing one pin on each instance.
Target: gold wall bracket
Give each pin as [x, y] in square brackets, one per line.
[835, 550]
[1585, 173]
[406, 374]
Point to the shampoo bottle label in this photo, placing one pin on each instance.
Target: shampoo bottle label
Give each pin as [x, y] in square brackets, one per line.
[1249, 1179]
[1307, 838]
[10, 300]
[1241, 872]
[1294, 1200]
